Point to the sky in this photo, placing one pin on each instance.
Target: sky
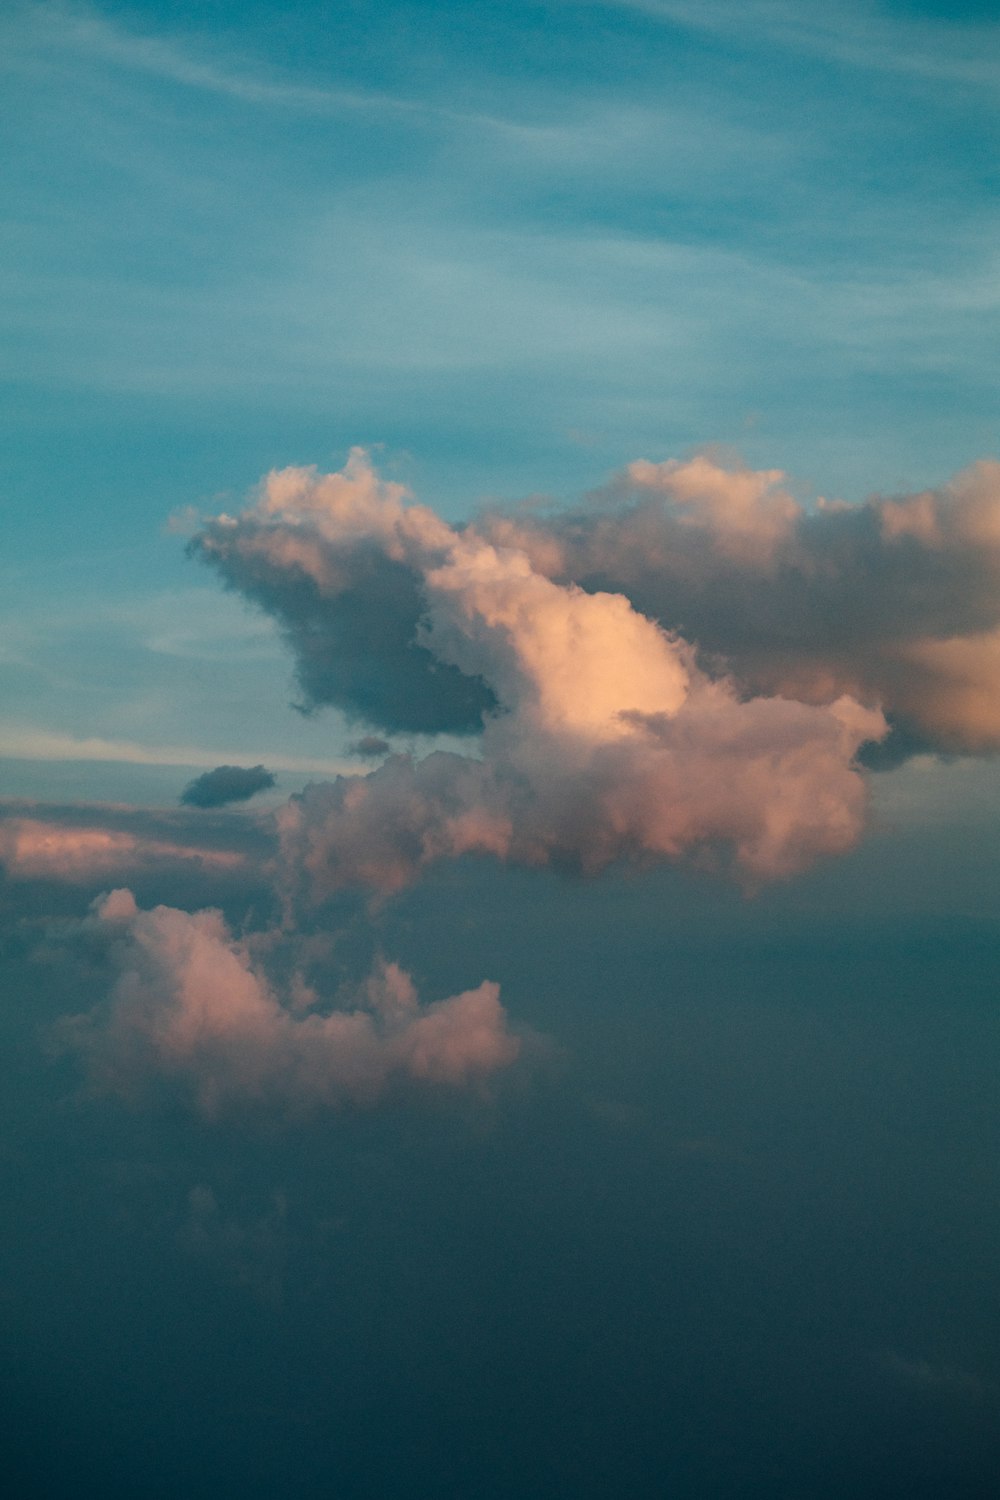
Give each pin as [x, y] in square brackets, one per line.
[498, 764]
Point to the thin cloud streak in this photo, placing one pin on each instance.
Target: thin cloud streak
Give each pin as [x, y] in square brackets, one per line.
[33, 849]
[957, 53]
[42, 744]
[85, 31]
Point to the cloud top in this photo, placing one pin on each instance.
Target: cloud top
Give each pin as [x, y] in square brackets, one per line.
[895, 601]
[338, 560]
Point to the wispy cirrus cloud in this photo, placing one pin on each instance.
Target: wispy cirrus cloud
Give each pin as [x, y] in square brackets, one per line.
[87, 843]
[193, 61]
[864, 36]
[29, 743]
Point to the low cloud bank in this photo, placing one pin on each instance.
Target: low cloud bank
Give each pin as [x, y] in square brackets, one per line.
[193, 1006]
[33, 848]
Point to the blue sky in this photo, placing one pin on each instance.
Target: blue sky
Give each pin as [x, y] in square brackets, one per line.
[508, 248]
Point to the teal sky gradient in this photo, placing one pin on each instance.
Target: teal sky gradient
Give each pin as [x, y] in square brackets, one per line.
[509, 248]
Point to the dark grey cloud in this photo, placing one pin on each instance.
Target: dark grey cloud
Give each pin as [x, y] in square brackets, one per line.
[227, 784]
[370, 746]
[350, 615]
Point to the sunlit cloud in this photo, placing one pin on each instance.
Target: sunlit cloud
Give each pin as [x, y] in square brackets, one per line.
[601, 736]
[193, 1006]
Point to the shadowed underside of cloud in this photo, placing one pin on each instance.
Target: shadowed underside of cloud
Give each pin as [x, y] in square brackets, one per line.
[193, 1006]
[335, 559]
[226, 784]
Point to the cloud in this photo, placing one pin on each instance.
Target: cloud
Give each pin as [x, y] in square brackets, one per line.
[336, 559]
[181, 851]
[601, 736]
[946, 49]
[226, 784]
[895, 601]
[39, 849]
[187, 62]
[370, 747]
[40, 744]
[193, 1006]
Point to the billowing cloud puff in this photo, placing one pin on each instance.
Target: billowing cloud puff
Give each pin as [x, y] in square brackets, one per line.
[338, 560]
[895, 601]
[606, 739]
[192, 1005]
[226, 784]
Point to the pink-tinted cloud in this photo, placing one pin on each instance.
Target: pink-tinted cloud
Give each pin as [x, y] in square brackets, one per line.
[607, 740]
[338, 559]
[37, 849]
[895, 601]
[193, 1006]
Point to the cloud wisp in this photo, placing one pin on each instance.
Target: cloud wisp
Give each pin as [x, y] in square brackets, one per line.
[77, 851]
[952, 51]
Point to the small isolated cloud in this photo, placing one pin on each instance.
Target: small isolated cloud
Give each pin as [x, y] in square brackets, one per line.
[370, 747]
[226, 784]
[193, 1006]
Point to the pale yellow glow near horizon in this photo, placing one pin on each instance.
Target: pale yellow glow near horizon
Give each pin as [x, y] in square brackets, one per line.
[37, 744]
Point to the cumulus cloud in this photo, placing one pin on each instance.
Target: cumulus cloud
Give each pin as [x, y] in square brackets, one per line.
[337, 559]
[226, 784]
[895, 601]
[193, 1005]
[605, 739]
[689, 665]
